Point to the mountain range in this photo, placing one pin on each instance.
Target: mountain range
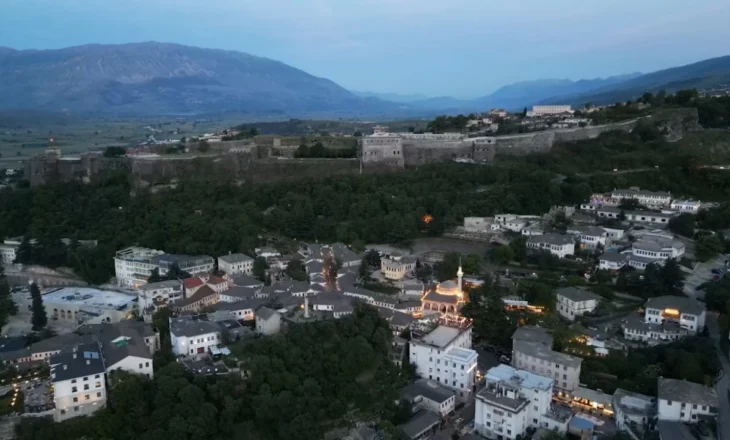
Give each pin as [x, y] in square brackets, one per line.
[169, 79]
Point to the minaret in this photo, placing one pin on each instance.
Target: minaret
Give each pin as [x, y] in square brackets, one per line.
[460, 274]
[306, 307]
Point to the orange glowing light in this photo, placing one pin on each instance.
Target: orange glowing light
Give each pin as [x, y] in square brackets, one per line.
[428, 218]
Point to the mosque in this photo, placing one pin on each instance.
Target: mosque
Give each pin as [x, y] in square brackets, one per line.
[446, 298]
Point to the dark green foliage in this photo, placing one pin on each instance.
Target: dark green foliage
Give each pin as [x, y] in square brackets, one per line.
[115, 151]
[259, 268]
[655, 280]
[7, 306]
[486, 309]
[693, 359]
[708, 246]
[684, 224]
[296, 270]
[318, 150]
[315, 378]
[39, 318]
[717, 295]
[447, 123]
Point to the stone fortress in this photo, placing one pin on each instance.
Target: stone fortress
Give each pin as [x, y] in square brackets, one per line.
[405, 150]
[270, 158]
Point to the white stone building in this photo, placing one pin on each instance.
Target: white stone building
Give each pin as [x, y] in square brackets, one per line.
[134, 265]
[268, 322]
[612, 261]
[192, 337]
[589, 237]
[646, 198]
[667, 318]
[689, 206]
[78, 376]
[532, 351]
[632, 408]
[682, 401]
[397, 266]
[546, 110]
[155, 296]
[8, 252]
[82, 305]
[557, 244]
[236, 264]
[513, 401]
[572, 302]
[430, 395]
[383, 148]
[445, 355]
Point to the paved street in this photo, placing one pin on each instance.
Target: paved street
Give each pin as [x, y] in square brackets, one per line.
[721, 387]
[702, 274]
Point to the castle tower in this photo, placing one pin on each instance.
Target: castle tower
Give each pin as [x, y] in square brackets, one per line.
[460, 274]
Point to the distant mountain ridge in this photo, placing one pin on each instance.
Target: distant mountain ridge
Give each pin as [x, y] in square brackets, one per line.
[162, 78]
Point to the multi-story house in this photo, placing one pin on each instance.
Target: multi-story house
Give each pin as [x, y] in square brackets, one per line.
[589, 237]
[557, 244]
[427, 394]
[689, 206]
[8, 251]
[633, 410]
[236, 264]
[397, 266]
[156, 296]
[683, 401]
[646, 198]
[650, 217]
[612, 261]
[133, 266]
[573, 302]
[667, 318]
[78, 376]
[532, 351]
[445, 355]
[513, 401]
[191, 336]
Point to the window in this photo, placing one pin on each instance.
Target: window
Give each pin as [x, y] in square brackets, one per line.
[73, 380]
[76, 399]
[86, 387]
[704, 407]
[694, 406]
[98, 394]
[140, 365]
[96, 377]
[146, 364]
[87, 397]
[669, 403]
[86, 378]
[76, 409]
[74, 389]
[462, 367]
[63, 411]
[534, 420]
[98, 384]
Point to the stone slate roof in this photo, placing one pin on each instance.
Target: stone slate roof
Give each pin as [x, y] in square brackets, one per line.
[540, 351]
[577, 295]
[533, 334]
[686, 392]
[551, 238]
[682, 303]
[162, 284]
[235, 258]
[428, 389]
[192, 327]
[265, 313]
[246, 281]
[81, 360]
[613, 257]
[421, 422]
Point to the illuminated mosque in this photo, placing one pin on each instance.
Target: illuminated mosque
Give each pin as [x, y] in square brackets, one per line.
[446, 298]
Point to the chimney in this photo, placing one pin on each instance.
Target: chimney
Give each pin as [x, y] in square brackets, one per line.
[306, 307]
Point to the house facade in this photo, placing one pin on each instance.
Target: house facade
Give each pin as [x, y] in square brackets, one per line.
[573, 302]
[557, 244]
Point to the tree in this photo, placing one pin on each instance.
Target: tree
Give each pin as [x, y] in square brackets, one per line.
[684, 224]
[24, 254]
[708, 246]
[203, 146]
[296, 270]
[503, 255]
[7, 305]
[424, 272]
[628, 204]
[259, 268]
[115, 151]
[39, 318]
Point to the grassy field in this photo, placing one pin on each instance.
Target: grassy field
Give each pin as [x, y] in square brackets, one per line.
[24, 137]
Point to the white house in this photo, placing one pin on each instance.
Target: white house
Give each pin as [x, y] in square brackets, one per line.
[532, 351]
[573, 302]
[590, 237]
[155, 296]
[650, 217]
[513, 401]
[268, 322]
[545, 110]
[133, 265]
[79, 381]
[236, 264]
[612, 261]
[191, 336]
[667, 318]
[682, 401]
[614, 233]
[397, 266]
[430, 395]
[557, 244]
[445, 355]
[632, 408]
[8, 253]
[689, 206]
[646, 198]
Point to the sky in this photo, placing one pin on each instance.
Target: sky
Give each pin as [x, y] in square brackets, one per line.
[462, 48]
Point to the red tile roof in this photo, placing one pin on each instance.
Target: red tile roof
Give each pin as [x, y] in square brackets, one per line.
[216, 280]
[192, 283]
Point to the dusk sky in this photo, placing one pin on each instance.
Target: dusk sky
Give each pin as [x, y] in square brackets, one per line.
[463, 48]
